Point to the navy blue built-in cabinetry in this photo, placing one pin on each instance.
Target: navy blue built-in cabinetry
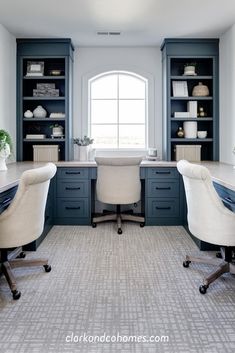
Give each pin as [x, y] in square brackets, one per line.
[73, 196]
[164, 196]
[204, 54]
[55, 57]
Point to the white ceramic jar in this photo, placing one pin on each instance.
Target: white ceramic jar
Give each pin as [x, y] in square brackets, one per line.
[28, 114]
[39, 112]
[190, 129]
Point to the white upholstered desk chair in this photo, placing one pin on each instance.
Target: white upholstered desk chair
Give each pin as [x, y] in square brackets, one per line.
[23, 221]
[208, 219]
[118, 183]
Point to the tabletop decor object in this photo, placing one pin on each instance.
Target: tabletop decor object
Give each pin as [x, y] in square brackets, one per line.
[200, 90]
[189, 69]
[28, 114]
[6, 148]
[39, 112]
[35, 68]
[81, 148]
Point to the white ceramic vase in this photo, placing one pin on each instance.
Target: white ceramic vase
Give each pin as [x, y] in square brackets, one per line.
[190, 129]
[83, 153]
[39, 112]
[4, 154]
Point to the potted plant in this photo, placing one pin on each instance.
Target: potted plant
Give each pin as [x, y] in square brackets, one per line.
[82, 148]
[57, 130]
[189, 68]
[6, 148]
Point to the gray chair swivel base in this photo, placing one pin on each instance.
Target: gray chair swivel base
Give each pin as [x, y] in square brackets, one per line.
[7, 264]
[118, 217]
[226, 265]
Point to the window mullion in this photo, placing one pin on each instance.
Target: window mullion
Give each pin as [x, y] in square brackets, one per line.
[118, 145]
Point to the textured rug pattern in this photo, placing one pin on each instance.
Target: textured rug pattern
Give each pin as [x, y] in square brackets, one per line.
[129, 284]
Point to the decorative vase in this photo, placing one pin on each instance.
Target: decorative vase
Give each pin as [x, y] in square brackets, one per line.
[39, 112]
[200, 90]
[28, 114]
[180, 132]
[190, 129]
[4, 154]
[83, 153]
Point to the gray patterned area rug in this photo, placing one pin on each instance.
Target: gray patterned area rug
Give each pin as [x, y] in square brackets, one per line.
[117, 293]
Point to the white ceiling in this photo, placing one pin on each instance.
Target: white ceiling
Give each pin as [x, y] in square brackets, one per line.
[142, 22]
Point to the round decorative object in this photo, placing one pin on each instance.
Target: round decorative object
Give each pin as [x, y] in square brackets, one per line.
[28, 114]
[180, 132]
[201, 112]
[200, 90]
[39, 112]
[190, 129]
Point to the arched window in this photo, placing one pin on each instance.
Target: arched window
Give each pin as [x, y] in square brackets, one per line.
[118, 110]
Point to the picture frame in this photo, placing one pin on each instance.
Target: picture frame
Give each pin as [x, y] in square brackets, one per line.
[180, 88]
[35, 68]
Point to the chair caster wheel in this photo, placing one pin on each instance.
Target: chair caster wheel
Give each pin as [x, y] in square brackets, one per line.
[218, 255]
[186, 263]
[47, 268]
[142, 225]
[119, 231]
[21, 255]
[203, 289]
[93, 225]
[16, 294]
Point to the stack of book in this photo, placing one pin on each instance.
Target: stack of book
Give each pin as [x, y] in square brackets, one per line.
[46, 89]
[192, 109]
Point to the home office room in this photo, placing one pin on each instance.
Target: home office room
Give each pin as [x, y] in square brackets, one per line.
[117, 176]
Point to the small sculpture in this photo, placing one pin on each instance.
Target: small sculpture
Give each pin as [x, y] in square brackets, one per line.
[180, 132]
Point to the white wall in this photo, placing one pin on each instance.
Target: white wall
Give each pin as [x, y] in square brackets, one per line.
[146, 61]
[227, 96]
[8, 83]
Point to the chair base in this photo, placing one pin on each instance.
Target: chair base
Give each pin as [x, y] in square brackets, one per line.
[8, 265]
[118, 217]
[224, 266]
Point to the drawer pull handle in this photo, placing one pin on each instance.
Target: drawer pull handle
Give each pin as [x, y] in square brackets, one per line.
[228, 199]
[163, 208]
[162, 172]
[72, 188]
[163, 188]
[72, 208]
[73, 173]
[6, 201]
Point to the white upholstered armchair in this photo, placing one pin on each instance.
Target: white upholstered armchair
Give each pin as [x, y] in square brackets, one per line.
[23, 221]
[208, 219]
[118, 183]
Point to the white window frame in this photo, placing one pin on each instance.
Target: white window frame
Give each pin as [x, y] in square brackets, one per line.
[128, 73]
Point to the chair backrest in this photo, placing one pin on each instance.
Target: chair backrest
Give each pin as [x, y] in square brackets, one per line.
[23, 221]
[208, 219]
[118, 180]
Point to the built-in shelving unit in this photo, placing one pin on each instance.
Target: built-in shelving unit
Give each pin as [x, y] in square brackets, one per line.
[55, 54]
[176, 54]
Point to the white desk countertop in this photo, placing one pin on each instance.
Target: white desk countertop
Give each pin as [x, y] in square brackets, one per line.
[221, 173]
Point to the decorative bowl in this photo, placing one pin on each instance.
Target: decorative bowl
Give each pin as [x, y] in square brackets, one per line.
[202, 134]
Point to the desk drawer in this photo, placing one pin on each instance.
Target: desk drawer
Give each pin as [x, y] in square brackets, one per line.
[72, 173]
[164, 189]
[67, 188]
[160, 173]
[163, 208]
[72, 208]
